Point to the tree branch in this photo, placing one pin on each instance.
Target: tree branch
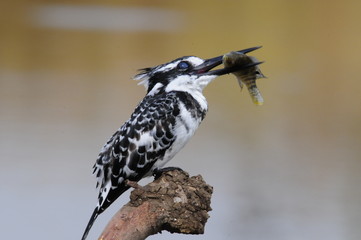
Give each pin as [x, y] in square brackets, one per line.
[174, 202]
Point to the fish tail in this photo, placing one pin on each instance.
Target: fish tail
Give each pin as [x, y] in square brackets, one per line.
[255, 95]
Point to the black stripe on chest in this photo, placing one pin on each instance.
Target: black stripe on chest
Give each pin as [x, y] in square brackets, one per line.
[192, 105]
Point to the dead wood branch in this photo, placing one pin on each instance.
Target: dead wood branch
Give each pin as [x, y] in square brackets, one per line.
[174, 202]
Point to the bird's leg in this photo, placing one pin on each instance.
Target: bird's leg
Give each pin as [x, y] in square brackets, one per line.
[159, 171]
[132, 184]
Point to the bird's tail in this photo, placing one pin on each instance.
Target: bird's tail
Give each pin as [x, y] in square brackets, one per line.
[90, 223]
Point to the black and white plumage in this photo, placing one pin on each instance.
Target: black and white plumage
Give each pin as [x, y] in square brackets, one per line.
[159, 127]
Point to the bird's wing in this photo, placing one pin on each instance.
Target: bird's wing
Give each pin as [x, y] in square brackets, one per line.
[131, 152]
[133, 149]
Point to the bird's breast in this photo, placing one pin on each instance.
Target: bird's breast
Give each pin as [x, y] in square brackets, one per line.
[184, 128]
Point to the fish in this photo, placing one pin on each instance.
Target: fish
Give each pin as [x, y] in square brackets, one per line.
[246, 76]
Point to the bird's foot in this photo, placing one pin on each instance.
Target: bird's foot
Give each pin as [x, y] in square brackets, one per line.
[159, 171]
[132, 184]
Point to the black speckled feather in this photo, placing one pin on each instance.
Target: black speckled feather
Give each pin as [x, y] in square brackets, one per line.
[133, 149]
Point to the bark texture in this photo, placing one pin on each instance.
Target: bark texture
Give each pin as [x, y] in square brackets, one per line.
[174, 202]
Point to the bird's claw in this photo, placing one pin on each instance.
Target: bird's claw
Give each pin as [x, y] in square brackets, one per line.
[159, 171]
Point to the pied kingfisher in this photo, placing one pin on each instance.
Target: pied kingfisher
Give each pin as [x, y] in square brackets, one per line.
[159, 127]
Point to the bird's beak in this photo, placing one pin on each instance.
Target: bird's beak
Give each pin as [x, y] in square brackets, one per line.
[204, 68]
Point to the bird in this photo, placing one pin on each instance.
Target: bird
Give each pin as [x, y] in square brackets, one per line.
[161, 124]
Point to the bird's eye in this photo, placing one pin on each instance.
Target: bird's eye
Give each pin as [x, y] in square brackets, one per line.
[183, 65]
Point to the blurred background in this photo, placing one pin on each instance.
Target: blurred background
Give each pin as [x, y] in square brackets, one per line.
[287, 170]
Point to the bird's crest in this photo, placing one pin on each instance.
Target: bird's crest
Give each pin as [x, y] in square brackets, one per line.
[143, 76]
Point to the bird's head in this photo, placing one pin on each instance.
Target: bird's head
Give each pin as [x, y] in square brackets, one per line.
[188, 73]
